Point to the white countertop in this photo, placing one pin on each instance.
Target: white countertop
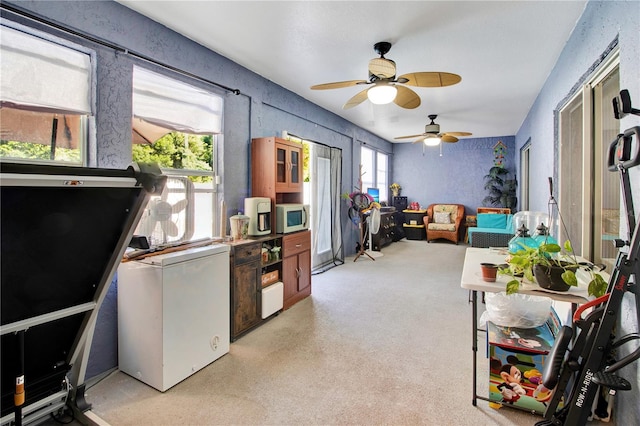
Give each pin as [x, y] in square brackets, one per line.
[472, 277]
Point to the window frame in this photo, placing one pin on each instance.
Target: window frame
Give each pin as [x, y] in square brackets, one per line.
[87, 142]
[383, 187]
[216, 227]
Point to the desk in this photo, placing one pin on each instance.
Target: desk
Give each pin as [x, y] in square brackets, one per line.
[472, 281]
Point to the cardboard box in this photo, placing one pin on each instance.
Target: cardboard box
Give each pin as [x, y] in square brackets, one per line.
[516, 361]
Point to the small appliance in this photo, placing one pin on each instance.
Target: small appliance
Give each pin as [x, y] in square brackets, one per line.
[259, 211]
[291, 217]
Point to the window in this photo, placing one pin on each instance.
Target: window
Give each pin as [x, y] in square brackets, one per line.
[375, 172]
[589, 194]
[45, 97]
[175, 125]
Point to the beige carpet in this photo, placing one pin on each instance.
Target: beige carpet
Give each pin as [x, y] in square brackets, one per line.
[384, 342]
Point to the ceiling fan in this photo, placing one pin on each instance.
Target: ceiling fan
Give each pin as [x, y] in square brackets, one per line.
[385, 87]
[432, 135]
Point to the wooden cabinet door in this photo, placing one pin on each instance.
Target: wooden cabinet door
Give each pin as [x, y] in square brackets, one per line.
[290, 276]
[295, 170]
[288, 168]
[304, 271]
[246, 296]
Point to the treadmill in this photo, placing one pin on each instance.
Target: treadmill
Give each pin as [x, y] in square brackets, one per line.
[63, 232]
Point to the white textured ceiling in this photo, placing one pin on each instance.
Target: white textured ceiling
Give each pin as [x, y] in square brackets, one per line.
[504, 51]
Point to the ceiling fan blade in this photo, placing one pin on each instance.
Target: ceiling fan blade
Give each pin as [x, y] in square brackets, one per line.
[411, 136]
[356, 100]
[448, 138]
[337, 84]
[431, 79]
[458, 133]
[406, 98]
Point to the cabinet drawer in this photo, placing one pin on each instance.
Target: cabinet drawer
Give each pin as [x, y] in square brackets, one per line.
[244, 253]
[296, 243]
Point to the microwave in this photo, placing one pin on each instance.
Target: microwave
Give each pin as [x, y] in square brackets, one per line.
[291, 217]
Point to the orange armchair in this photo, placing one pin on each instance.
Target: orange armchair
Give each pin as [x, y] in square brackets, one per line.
[444, 221]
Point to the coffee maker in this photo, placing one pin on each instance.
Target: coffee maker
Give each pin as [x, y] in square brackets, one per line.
[259, 211]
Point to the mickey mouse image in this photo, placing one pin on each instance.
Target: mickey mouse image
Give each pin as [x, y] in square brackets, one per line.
[510, 388]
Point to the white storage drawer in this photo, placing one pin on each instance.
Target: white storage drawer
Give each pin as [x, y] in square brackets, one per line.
[272, 299]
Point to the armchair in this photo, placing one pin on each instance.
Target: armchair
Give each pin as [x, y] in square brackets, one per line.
[444, 221]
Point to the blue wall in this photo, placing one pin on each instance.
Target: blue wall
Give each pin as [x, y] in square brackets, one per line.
[266, 109]
[455, 177]
[262, 109]
[601, 24]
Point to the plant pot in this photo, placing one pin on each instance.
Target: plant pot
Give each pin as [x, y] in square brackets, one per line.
[489, 271]
[550, 278]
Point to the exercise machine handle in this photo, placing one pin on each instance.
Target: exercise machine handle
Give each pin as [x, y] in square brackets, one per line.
[577, 316]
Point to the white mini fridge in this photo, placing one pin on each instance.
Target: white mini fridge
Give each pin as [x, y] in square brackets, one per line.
[173, 314]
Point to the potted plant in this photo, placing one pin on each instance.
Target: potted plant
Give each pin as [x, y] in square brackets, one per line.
[501, 189]
[395, 189]
[551, 268]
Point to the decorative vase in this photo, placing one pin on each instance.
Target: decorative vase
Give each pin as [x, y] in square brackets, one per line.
[550, 278]
[521, 240]
[395, 193]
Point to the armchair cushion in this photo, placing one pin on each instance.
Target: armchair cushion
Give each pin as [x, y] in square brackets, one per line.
[442, 217]
[491, 220]
[493, 230]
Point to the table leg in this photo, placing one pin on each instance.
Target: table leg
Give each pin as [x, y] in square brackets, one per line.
[474, 326]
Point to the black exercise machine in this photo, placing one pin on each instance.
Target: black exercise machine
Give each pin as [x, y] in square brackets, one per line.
[64, 231]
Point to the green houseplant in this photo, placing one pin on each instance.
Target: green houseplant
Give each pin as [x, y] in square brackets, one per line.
[501, 189]
[539, 263]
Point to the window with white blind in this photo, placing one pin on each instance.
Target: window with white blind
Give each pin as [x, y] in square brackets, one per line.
[175, 125]
[46, 97]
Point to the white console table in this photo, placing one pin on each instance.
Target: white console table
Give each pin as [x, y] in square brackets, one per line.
[472, 281]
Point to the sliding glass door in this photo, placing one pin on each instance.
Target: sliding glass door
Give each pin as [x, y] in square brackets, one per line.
[589, 195]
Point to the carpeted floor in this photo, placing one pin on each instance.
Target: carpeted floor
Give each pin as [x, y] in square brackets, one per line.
[384, 342]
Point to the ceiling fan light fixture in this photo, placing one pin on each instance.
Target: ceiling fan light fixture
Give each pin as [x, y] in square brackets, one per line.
[382, 94]
[432, 141]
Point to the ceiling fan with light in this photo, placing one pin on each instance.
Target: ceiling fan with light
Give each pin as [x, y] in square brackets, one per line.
[386, 88]
[432, 135]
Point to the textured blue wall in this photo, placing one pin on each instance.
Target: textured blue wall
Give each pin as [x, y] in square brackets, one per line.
[600, 25]
[263, 109]
[455, 177]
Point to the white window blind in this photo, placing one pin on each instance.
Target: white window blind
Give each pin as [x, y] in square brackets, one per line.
[41, 75]
[174, 105]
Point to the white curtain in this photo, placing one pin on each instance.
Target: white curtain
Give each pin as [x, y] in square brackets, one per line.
[171, 104]
[40, 75]
[326, 171]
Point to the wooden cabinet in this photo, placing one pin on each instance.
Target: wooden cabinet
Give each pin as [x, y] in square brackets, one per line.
[250, 273]
[288, 166]
[276, 170]
[246, 286]
[296, 267]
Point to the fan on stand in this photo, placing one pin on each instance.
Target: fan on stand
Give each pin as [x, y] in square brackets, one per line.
[384, 87]
[168, 219]
[374, 226]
